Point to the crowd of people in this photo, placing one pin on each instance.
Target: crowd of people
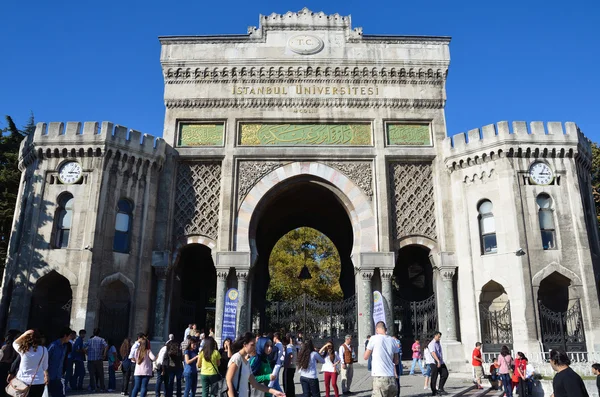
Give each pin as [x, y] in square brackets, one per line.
[252, 365]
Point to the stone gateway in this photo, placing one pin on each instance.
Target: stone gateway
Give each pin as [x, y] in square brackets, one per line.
[488, 235]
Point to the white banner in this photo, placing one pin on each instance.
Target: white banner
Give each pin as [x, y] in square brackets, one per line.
[378, 309]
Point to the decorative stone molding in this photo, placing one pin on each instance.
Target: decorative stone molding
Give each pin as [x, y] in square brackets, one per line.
[241, 275]
[386, 275]
[413, 201]
[360, 172]
[250, 172]
[447, 273]
[482, 177]
[495, 141]
[537, 279]
[120, 277]
[198, 195]
[366, 276]
[364, 103]
[222, 274]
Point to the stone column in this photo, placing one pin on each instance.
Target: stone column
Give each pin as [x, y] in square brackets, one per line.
[445, 302]
[243, 307]
[364, 303]
[160, 264]
[388, 297]
[222, 274]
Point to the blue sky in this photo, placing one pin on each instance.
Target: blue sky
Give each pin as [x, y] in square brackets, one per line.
[510, 60]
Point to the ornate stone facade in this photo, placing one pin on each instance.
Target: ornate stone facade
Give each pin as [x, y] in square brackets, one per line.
[277, 129]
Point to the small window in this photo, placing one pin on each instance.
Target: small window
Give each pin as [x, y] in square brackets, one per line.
[487, 228]
[123, 226]
[63, 220]
[546, 218]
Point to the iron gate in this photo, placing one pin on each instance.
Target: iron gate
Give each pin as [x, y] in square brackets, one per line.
[563, 330]
[318, 320]
[114, 322]
[418, 319]
[496, 328]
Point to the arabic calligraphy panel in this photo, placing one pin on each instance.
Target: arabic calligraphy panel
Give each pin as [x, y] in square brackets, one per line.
[408, 134]
[297, 134]
[204, 134]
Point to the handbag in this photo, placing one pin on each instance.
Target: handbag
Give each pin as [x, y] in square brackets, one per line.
[510, 368]
[18, 388]
[220, 388]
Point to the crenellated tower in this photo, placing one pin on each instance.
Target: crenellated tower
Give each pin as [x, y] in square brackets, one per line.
[83, 226]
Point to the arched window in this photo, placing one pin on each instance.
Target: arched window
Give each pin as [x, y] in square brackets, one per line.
[63, 220]
[546, 217]
[123, 226]
[487, 228]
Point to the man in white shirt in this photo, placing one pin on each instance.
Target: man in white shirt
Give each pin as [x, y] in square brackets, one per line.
[383, 365]
[347, 354]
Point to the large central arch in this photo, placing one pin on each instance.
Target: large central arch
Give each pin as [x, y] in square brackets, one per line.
[304, 194]
[356, 204]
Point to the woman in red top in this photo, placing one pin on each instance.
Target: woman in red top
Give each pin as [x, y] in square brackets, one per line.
[519, 378]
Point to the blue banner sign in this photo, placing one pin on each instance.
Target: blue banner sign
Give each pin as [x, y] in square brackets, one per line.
[230, 314]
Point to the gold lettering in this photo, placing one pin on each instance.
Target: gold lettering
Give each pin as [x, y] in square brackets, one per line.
[335, 90]
[376, 90]
[246, 90]
[269, 89]
[298, 89]
[355, 89]
[362, 90]
[307, 90]
[370, 91]
[320, 90]
[327, 90]
[283, 91]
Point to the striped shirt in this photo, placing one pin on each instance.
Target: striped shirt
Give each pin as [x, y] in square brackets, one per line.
[95, 348]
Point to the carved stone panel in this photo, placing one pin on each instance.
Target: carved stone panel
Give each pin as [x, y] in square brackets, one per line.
[411, 187]
[197, 199]
[250, 172]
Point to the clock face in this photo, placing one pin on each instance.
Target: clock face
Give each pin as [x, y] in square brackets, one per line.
[70, 172]
[541, 174]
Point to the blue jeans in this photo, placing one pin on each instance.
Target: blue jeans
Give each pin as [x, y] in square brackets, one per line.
[507, 384]
[140, 383]
[55, 388]
[412, 368]
[78, 375]
[112, 379]
[191, 384]
[173, 374]
[160, 379]
[310, 387]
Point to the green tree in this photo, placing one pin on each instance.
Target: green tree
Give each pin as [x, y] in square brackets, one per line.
[299, 247]
[10, 176]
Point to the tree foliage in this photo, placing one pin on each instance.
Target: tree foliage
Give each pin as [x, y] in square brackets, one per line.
[299, 247]
[10, 139]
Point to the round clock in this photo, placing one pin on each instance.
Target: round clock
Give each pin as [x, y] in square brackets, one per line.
[540, 173]
[70, 172]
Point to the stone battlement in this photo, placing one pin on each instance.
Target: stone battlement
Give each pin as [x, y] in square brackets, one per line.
[535, 133]
[91, 132]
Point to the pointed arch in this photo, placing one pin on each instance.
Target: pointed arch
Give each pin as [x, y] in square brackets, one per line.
[49, 268]
[555, 267]
[118, 276]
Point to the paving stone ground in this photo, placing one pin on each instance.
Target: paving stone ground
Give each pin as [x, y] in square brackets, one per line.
[361, 385]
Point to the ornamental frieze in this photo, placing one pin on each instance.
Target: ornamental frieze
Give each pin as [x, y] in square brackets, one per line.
[268, 102]
[264, 74]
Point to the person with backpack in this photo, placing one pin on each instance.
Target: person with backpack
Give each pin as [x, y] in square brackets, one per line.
[173, 368]
[126, 365]
[158, 368]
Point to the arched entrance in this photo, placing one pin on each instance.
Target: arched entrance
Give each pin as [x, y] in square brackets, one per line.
[50, 308]
[193, 292]
[561, 320]
[496, 322]
[114, 311]
[303, 201]
[414, 299]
